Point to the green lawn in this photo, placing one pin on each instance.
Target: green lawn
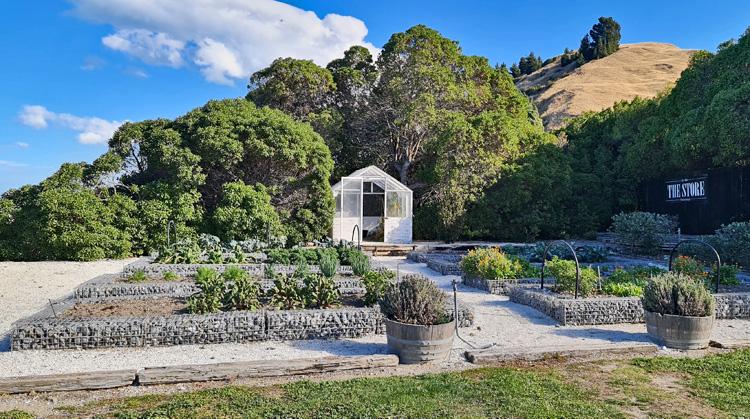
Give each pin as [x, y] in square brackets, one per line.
[655, 387]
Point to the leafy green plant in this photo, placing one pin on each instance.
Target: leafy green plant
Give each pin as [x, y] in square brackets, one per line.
[183, 251]
[415, 300]
[209, 298]
[242, 292]
[622, 289]
[376, 282]
[328, 264]
[643, 231]
[215, 255]
[678, 294]
[139, 275]
[320, 291]
[169, 276]
[564, 272]
[239, 254]
[286, 293]
[360, 263]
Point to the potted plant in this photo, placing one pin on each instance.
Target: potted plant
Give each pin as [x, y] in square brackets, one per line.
[679, 311]
[416, 323]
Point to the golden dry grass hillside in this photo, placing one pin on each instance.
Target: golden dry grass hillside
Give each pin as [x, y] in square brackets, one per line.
[643, 70]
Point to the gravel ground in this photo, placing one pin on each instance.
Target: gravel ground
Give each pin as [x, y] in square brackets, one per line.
[497, 321]
[26, 287]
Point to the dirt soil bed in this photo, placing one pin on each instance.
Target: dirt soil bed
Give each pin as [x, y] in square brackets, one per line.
[129, 308]
[158, 307]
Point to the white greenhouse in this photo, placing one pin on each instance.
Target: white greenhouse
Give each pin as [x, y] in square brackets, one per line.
[372, 206]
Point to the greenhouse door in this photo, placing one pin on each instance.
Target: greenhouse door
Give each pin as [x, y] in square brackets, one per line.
[398, 217]
[349, 209]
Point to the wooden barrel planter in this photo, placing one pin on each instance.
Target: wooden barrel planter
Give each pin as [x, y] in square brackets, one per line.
[416, 344]
[680, 332]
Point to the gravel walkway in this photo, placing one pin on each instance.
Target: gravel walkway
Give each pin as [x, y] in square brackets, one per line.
[497, 321]
[26, 287]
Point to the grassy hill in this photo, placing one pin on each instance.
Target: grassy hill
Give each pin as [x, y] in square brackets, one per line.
[562, 92]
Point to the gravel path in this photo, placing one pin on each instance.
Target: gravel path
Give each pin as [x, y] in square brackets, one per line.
[26, 287]
[497, 321]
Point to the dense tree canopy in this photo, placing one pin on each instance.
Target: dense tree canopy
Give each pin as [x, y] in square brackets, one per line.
[602, 40]
[444, 123]
[195, 170]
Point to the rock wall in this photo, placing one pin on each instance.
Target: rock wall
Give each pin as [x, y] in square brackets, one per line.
[613, 310]
[189, 269]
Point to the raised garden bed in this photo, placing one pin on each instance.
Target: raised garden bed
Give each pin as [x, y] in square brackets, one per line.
[612, 310]
[499, 286]
[188, 269]
[112, 323]
[114, 286]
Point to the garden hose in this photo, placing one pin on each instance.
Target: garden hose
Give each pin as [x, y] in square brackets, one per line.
[455, 321]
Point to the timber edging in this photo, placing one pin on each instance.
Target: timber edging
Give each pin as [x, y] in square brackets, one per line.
[97, 380]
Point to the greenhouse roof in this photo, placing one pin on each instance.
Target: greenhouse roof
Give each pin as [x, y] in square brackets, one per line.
[376, 175]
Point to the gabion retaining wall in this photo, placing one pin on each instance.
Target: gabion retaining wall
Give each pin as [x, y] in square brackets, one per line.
[613, 310]
[189, 269]
[733, 305]
[109, 288]
[444, 267]
[497, 286]
[185, 329]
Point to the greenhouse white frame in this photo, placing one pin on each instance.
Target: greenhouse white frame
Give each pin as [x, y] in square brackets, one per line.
[369, 184]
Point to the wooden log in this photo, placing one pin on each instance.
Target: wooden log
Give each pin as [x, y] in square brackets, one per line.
[257, 369]
[68, 382]
[730, 343]
[534, 354]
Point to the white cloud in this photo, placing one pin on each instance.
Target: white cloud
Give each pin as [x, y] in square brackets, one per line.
[227, 39]
[136, 72]
[21, 144]
[11, 164]
[150, 47]
[92, 63]
[91, 130]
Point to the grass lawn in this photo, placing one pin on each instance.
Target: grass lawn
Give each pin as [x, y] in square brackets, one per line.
[714, 386]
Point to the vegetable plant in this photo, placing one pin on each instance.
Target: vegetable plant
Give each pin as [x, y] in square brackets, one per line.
[320, 291]
[138, 275]
[376, 282]
[241, 290]
[564, 272]
[210, 297]
[328, 263]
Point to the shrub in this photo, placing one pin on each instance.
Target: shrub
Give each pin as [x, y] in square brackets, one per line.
[492, 264]
[245, 212]
[320, 291]
[375, 283]
[564, 272]
[415, 300]
[677, 294]
[360, 263]
[728, 274]
[210, 297]
[286, 293]
[328, 264]
[643, 231]
[138, 276]
[733, 242]
[241, 290]
[169, 276]
[215, 255]
[689, 267]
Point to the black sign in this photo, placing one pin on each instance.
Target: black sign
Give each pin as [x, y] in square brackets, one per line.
[686, 190]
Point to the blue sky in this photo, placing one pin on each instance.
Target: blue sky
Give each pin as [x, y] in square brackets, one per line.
[76, 69]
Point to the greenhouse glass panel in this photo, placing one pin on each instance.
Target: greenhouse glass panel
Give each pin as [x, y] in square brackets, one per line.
[351, 204]
[398, 205]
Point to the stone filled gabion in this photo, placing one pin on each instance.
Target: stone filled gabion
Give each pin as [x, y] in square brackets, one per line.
[189, 269]
[109, 288]
[613, 310]
[498, 286]
[185, 329]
